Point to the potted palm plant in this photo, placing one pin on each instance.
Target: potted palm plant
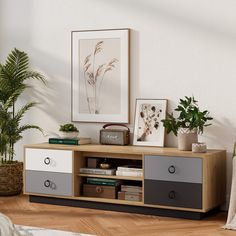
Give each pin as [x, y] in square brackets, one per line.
[13, 76]
[190, 122]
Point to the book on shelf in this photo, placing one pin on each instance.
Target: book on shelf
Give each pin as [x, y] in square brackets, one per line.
[131, 189]
[105, 182]
[129, 173]
[129, 196]
[76, 141]
[129, 168]
[97, 171]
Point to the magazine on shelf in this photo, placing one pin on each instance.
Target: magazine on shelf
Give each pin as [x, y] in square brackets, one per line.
[131, 169]
[98, 171]
[129, 173]
[105, 182]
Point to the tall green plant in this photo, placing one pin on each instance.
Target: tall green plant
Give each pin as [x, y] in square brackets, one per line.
[13, 82]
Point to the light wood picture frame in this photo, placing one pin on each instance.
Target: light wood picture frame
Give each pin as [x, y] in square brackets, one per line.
[148, 128]
[100, 75]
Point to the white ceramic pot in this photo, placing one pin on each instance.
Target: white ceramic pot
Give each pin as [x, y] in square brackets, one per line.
[186, 137]
[69, 135]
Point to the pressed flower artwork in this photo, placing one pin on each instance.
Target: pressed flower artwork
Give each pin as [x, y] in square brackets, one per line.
[149, 129]
[100, 76]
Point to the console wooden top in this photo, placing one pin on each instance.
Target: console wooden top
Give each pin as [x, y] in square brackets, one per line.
[138, 150]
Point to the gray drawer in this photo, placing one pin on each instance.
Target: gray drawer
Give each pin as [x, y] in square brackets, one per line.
[187, 195]
[48, 183]
[169, 168]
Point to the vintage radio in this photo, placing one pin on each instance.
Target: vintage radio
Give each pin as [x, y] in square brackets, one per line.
[115, 136]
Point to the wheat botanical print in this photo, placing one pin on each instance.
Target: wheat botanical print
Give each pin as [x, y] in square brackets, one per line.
[100, 74]
[148, 121]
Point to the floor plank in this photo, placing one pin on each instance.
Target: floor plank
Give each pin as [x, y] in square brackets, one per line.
[107, 223]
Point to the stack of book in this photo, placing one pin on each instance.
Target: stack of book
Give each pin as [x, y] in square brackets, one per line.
[76, 141]
[104, 182]
[130, 193]
[97, 171]
[129, 171]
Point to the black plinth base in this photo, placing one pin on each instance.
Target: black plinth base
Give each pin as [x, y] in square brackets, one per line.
[120, 208]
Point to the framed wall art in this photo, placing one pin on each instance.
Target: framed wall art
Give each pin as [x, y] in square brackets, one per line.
[148, 128]
[100, 75]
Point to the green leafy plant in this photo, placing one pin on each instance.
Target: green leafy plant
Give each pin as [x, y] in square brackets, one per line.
[190, 116]
[13, 76]
[68, 128]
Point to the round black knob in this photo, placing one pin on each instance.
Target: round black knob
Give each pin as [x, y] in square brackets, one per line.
[171, 169]
[47, 183]
[171, 195]
[47, 161]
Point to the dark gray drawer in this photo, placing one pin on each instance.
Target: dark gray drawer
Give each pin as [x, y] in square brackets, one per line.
[187, 195]
[170, 168]
[48, 183]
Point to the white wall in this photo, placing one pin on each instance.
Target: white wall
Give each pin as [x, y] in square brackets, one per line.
[178, 48]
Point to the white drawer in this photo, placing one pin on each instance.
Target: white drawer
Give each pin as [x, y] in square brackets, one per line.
[48, 160]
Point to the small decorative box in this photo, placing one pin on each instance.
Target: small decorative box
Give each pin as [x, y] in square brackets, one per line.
[199, 147]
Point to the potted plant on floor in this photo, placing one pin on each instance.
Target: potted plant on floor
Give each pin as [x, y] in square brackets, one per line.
[13, 76]
[190, 122]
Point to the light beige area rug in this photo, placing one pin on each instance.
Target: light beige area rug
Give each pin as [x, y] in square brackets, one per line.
[7, 228]
[33, 231]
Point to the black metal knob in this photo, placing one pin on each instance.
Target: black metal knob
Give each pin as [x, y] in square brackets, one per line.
[47, 183]
[47, 161]
[171, 195]
[171, 169]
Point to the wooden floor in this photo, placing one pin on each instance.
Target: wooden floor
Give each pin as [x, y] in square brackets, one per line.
[107, 223]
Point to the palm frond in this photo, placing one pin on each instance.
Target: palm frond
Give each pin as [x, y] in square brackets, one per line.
[17, 63]
[34, 75]
[24, 109]
[26, 127]
[13, 97]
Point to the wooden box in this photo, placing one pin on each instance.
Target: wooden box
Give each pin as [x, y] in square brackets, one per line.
[100, 191]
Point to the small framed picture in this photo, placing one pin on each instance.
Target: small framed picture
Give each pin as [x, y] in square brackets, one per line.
[100, 75]
[148, 128]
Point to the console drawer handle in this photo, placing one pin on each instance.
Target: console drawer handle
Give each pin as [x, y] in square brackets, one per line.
[171, 195]
[98, 189]
[171, 169]
[47, 161]
[47, 183]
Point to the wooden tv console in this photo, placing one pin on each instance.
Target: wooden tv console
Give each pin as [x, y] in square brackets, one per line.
[174, 183]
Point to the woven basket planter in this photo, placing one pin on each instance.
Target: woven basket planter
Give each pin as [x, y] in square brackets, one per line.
[11, 179]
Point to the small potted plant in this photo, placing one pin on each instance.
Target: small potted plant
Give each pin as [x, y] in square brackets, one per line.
[68, 131]
[190, 122]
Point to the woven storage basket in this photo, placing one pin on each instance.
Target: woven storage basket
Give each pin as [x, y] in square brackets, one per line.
[11, 179]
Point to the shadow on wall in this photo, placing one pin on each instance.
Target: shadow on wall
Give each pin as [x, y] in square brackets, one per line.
[194, 15]
[222, 132]
[54, 98]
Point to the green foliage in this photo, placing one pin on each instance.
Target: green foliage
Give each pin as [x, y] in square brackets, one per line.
[189, 117]
[13, 76]
[68, 128]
